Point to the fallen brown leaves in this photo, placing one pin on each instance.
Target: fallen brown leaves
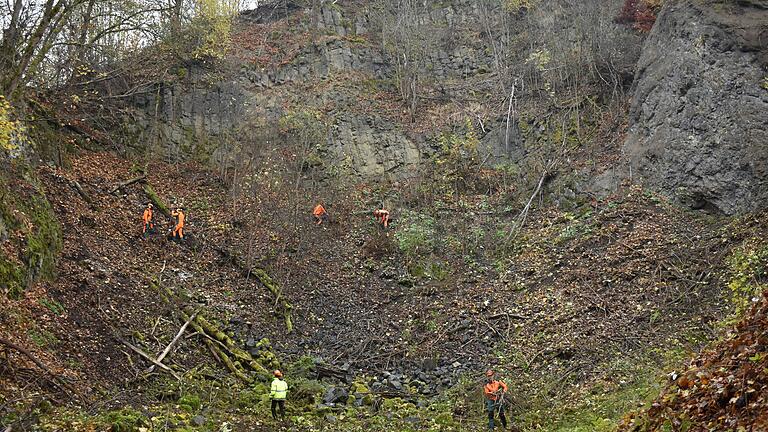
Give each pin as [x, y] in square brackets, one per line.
[725, 388]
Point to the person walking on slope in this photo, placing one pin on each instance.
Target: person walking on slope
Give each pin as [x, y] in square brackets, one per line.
[178, 231]
[382, 216]
[320, 214]
[494, 392]
[277, 395]
[147, 218]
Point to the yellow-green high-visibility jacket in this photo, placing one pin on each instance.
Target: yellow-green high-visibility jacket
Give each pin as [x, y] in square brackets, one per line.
[279, 389]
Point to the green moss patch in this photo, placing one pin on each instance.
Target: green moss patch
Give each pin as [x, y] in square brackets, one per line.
[31, 235]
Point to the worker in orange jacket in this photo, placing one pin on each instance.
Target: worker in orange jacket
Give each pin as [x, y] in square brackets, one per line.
[178, 230]
[148, 222]
[382, 215]
[320, 214]
[494, 391]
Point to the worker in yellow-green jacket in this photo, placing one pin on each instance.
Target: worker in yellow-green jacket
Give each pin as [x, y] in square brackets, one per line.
[278, 394]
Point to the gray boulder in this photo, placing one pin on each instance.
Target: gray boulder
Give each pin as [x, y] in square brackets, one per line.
[335, 395]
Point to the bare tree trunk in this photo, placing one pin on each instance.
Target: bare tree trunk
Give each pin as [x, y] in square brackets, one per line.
[176, 17]
[83, 39]
[10, 38]
[509, 114]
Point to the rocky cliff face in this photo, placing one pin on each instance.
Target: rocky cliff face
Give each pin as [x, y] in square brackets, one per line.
[699, 113]
[336, 71]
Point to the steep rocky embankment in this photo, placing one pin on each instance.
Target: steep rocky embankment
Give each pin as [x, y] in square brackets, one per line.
[699, 115]
[330, 64]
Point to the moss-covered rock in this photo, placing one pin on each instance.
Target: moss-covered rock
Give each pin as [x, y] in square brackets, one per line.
[31, 238]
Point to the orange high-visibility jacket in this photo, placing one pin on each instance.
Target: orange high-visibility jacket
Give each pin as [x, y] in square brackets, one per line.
[319, 210]
[491, 390]
[180, 216]
[147, 217]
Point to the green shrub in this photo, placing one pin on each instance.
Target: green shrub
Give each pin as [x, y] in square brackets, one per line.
[254, 397]
[416, 235]
[212, 28]
[303, 391]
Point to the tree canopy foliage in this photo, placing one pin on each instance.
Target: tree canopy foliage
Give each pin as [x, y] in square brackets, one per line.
[53, 42]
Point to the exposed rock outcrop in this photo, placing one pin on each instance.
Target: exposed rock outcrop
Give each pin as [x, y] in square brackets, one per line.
[188, 115]
[699, 115]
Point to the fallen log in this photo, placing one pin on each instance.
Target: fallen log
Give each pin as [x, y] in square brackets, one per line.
[173, 342]
[148, 357]
[265, 280]
[508, 314]
[222, 357]
[276, 291]
[38, 363]
[127, 183]
[156, 201]
[80, 191]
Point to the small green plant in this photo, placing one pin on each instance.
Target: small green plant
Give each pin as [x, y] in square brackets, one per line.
[52, 305]
[43, 338]
[540, 59]
[764, 84]
[431, 325]
[190, 403]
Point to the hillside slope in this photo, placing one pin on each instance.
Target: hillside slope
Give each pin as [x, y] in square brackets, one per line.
[564, 298]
